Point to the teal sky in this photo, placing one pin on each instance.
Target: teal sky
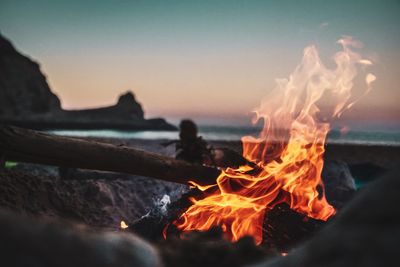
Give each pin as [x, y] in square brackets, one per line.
[210, 60]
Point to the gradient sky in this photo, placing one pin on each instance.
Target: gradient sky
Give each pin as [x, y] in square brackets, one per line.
[209, 60]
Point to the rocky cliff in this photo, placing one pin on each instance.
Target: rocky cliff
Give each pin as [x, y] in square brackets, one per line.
[26, 100]
[23, 87]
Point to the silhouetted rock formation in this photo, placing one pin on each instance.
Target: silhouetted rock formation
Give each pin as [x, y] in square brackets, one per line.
[126, 109]
[26, 100]
[23, 88]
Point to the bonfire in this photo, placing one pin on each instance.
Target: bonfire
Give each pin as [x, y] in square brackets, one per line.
[287, 154]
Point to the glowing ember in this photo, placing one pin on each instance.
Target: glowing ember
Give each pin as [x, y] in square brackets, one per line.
[123, 225]
[288, 152]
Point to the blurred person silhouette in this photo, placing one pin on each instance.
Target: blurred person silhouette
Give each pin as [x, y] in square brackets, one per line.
[190, 147]
[194, 149]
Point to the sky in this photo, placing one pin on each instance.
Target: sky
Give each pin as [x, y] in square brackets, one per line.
[212, 61]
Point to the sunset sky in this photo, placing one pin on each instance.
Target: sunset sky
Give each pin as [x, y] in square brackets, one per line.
[210, 60]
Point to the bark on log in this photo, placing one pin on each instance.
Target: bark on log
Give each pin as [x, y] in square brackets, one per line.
[31, 146]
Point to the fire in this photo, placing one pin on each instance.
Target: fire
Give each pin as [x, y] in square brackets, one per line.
[123, 225]
[288, 153]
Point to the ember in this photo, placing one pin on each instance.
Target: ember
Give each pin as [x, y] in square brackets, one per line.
[288, 152]
[123, 225]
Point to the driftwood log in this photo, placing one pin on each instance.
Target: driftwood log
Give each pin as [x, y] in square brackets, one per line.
[23, 145]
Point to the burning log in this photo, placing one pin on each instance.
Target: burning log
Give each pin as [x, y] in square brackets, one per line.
[31, 146]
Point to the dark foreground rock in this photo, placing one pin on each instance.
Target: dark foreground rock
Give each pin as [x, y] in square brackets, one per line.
[339, 183]
[365, 233]
[29, 242]
[26, 100]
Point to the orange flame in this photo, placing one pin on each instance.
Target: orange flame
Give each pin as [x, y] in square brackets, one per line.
[288, 152]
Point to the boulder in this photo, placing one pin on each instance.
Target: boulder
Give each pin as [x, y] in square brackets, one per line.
[32, 242]
[339, 183]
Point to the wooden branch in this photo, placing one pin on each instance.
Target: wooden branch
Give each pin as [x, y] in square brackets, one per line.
[25, 145]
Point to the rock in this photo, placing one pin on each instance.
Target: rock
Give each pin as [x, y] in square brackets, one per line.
[98, 203]
[26, 100]
[339, 183]
[23, 87]
[128, 102]
[30, 242]
[365, 233]
[126, 109]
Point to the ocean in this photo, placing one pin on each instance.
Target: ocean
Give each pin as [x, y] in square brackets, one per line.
[226, 133]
